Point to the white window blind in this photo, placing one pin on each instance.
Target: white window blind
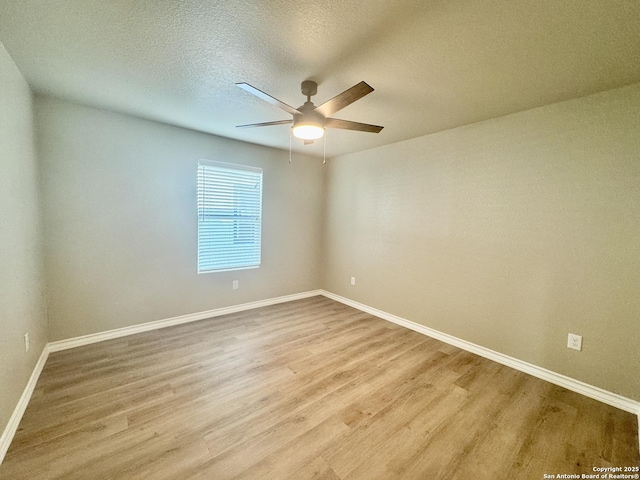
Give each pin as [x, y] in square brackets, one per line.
[229, 216]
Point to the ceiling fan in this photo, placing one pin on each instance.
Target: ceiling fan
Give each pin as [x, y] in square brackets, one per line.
[310, 121]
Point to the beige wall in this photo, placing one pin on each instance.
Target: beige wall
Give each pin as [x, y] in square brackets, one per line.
[509, 233]
[120, 220]
[22, 306]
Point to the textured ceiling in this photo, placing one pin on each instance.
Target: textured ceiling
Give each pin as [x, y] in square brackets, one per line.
[434, 64]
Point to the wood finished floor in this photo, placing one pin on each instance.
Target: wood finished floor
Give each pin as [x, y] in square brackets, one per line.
[310, 389]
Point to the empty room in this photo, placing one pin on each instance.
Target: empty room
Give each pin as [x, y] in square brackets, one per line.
[338, 240]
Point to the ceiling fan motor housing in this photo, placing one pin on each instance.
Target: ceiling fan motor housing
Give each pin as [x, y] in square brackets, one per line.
[308, 116]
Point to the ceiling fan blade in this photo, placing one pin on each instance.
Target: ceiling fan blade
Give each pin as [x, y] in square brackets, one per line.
[265, 124]
[267, 98]
[348, 125]
[344, 99]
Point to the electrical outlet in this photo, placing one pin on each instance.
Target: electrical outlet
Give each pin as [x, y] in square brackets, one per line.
[353, 280]
[574, 341]
[235, 284]
[26, 342]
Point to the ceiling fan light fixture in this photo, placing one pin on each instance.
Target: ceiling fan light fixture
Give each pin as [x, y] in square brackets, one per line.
[308, 131]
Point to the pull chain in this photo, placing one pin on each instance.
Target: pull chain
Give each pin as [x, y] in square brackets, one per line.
[324, 148]
[290, 130]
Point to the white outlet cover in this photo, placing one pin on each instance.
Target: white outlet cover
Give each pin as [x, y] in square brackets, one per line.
[235, 284]
[574, 341]
[353, 280]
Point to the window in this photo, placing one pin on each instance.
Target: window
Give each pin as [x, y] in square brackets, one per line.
[229, 216]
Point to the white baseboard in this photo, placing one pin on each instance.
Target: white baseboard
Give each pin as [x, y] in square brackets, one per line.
[14, 421]
[168, 322]
[556, 378]
[569, 383]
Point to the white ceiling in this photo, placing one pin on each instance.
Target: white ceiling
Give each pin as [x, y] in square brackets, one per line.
[434, 64]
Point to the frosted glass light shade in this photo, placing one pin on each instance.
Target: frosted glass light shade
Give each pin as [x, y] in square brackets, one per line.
[308, 132]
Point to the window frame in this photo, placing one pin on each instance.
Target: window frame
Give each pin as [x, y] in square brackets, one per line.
[239, 224]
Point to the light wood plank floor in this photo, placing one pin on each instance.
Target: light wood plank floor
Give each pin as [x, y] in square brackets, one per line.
[310, 389]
